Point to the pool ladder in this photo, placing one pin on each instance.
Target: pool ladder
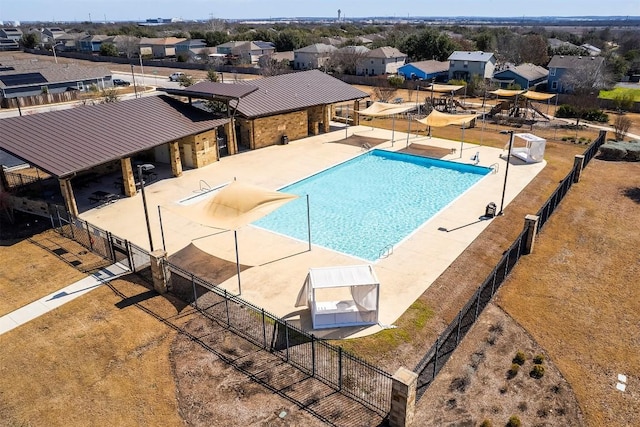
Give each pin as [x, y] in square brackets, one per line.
[495, 167]
[366, 146]
[386, 251]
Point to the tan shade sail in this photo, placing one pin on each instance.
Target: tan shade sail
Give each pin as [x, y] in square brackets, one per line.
[443, 88]
[538, 96]
[438, 119]
[381, 109]
[235, 205]
[507, 93]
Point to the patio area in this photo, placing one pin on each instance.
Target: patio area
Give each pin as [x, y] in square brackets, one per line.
[278, 265]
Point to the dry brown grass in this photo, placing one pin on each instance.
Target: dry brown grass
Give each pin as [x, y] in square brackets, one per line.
[29, 272]
[577, 294]
[94, 361]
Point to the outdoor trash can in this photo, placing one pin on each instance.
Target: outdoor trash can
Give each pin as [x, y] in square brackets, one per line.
[285, 139]
[490, 211]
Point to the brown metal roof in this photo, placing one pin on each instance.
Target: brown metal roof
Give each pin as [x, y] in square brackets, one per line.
[295, 91]
[211, 90]
[68, 141]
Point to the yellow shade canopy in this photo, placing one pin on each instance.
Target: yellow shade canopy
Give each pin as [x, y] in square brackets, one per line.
[382, 109]
[538, 96]
[438, 119]
[507, 93]
[443, 88]
[235, 206]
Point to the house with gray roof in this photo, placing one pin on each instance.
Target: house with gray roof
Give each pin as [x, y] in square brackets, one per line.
[93, 43]
[524, 75]
[561, 66]
[25, 78]
[8, 45]
[14, 34]
[381, 61]
[246, 52]
[313, 57]
[463, 65]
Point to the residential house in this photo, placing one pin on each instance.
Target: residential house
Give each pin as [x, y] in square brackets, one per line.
[26, 78]
[159, 47]
[425, 70]
[69, 42]
[51, 34]
[463, 65]
[348, 58]
[246, 52]
[93, 43]
[561, 66]
[381, 61]
[191, 49]
[14, 34]
[8, 45]
[524, 75]
[312, 57]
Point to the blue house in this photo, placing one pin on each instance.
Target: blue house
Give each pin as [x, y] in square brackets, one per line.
[92, 44]
[524, 75]
[561, 66]
[186, 45]
[425, 70]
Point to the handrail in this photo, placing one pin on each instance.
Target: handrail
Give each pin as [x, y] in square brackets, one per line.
[386, 251]
[495, 167]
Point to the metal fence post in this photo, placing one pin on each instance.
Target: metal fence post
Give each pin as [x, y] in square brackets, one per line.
[339, 368]
[458, 328]
[313, 355]
[286, 337]
[264, 329]
[477, 305]
[493, 282]
[226, 304]
[89, 236]
[195, 295]
[435, 358]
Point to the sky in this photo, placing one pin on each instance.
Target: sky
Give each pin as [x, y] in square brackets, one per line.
[139, 10]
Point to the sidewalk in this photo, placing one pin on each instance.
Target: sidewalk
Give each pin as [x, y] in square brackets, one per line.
[58, 298]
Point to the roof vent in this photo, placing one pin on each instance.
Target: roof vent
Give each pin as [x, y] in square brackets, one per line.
[579, 57]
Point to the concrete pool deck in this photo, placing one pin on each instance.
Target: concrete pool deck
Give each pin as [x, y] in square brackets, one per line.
[280, 264]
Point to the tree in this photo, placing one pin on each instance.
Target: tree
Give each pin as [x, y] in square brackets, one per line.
[108, 49]
[212, 76]
[584, 83]
[427, 44]
[215, 38]
[290, 39]
[621, 126]
[533, 49]
[30, 40]
[109, 95]
[272, 67]
[347, 60]
[186, 81]
[128, 45]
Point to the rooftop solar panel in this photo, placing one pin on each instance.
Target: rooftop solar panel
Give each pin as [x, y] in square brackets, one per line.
[23, 79]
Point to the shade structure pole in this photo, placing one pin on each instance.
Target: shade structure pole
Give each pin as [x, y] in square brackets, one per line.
[462, 140]
[164, 247]
[309, 223]
[506, 171]
[409, 131]
[393, 129]
[346, 124]
[235, 238]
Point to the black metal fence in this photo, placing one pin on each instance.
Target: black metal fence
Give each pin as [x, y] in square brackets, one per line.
[433, 361]
[336, 368]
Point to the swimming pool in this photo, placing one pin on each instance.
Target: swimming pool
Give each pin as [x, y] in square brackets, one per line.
[364, 205]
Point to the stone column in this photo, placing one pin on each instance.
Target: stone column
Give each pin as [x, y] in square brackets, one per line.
[356, 116]
[159, 274]
[69, 198]
[174, 158]
[229, 130]
[128, 181]
[403, 398]
[326, 118]
[531, 228]
[578, 163]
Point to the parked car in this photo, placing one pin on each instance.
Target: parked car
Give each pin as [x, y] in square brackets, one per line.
[175, 77]
[120, 82]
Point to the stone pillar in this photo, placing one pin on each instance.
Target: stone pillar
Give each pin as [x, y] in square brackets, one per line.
[578, 163]
[403, 398]
[229, 130]
[326, 118]
[531, 228]
[174, 158]
[159, 274]
[69, 198]
[356, 116]
[128, 181]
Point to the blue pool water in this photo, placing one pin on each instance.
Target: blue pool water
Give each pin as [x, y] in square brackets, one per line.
[367, 203]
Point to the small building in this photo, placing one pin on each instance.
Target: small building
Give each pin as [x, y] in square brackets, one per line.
[159, 47]
[50, 34]
[591, 49]
[425, 70]
[245, 52]
[93, 43]
[8, 45]
[312, 57]
[524, 75]
[561, 65]
[183, 47]
[14, 34]
[463, 65]
[381, 61]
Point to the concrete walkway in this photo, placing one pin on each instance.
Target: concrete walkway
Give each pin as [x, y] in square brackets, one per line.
[60, 297]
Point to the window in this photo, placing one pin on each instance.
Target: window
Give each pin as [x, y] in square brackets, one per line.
[452, 63]
[554, 85]
[552, 71]
[465, 64]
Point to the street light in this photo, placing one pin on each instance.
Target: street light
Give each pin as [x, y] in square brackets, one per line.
[506, 171]
[53, 48]
[135, 87]
[145, 168]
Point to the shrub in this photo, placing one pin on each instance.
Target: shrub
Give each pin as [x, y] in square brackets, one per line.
[538, 359]
[519, 358]
[486, 423]
[537, 372]
[514, 421]
[566, 111]
[513, 371]
[396, 81]
[596, 116]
